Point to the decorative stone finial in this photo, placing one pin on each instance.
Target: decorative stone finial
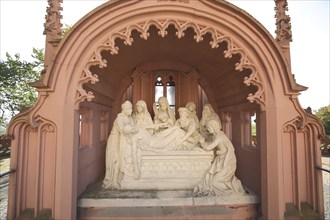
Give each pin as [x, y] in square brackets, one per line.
[283, 25]
[53, 19]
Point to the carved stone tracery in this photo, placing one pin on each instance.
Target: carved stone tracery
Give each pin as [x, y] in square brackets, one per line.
[181, 26]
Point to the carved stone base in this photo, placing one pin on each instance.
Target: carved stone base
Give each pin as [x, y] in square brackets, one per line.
[170, 170]
[98, 197]
[100, 203]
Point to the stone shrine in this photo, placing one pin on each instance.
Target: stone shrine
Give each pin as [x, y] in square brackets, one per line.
[173, 158]
[78, 154]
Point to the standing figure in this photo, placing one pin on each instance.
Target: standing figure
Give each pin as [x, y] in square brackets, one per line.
[119, 158]
[185, 122]
[142, 117]
[207, 115]
[163, 114]
[220, 179]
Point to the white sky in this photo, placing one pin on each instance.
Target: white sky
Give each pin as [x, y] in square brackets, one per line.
[22, 23]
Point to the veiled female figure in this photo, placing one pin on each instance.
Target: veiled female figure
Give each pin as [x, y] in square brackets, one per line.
[163, 114]
[208, 114]
[220, 179]
[117, 159]
[142, 117]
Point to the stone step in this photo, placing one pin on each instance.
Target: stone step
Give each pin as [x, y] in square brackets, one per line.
[249, 211]
[99, 203]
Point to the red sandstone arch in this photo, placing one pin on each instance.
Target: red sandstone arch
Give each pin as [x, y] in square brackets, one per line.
[162, 24]
[204, 23]
[62, 88]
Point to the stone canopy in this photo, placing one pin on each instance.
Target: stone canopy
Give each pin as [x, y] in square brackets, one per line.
[214, 52]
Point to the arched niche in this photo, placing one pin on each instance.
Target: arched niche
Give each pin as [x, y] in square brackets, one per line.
[215, 73]
[198, 57]
[239, 65]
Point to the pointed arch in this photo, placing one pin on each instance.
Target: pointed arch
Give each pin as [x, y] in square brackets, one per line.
[181, 26]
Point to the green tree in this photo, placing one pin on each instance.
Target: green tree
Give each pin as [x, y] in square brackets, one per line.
[65, 30]
[15, 90]
[324, 115]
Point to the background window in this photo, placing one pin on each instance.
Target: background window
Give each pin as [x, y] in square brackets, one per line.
[165, 89]
[159, 88]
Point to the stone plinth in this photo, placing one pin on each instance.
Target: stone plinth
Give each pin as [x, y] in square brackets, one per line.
[170, 170]
[141, 198]
[100, 203]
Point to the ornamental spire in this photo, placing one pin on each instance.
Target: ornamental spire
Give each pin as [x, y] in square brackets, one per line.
[53, 19]
[283, 28]
[53, 29]
[283, 25]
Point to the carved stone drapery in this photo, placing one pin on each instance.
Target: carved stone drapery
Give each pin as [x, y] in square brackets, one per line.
[181, 26]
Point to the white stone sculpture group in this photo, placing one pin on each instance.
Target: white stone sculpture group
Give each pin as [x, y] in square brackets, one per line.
[133, 132]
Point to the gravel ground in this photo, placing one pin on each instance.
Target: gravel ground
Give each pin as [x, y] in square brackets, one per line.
[4, 166]
[326, 187]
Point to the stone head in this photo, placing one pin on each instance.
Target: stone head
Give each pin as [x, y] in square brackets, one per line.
[127, 107]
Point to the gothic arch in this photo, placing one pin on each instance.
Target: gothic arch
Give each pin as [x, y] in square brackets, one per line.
[181, 25]
[257, 51]
[64, 83]
[259, 59]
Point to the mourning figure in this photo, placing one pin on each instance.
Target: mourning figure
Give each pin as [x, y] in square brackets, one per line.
[119, 159]
[220, 179]
[164, 115]
[142, 117]
[208, 114]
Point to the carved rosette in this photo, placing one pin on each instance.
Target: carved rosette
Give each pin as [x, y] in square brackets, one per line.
[181, 26]
[53, 18]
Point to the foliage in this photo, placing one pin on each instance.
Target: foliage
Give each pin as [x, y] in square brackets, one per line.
[324, 115]
[65, 30]
[15, 77]
[254, 129]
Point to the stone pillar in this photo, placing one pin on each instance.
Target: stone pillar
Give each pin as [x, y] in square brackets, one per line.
[272, 206]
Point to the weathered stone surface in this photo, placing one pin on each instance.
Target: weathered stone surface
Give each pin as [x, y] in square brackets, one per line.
[170, 170]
